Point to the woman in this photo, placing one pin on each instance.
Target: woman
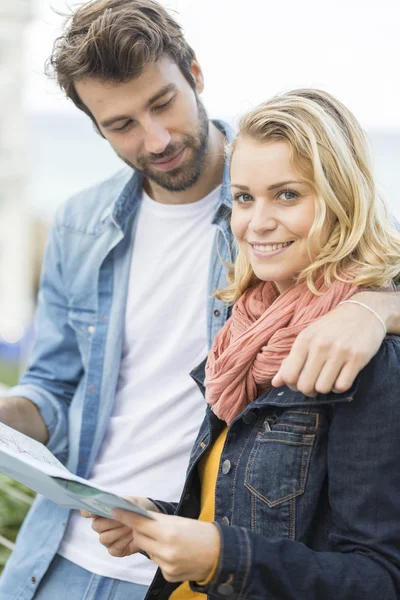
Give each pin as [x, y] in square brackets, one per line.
[303, 491]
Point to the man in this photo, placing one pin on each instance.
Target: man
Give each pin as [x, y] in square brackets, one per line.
[125, 308]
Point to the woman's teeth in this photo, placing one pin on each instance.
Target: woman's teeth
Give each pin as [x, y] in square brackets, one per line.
[270, 247]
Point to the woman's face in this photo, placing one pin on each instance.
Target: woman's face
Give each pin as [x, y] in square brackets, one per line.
[273, 210]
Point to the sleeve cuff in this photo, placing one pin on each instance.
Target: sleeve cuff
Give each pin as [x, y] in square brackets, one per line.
[232, 571]
[50, 411]
[168, 508]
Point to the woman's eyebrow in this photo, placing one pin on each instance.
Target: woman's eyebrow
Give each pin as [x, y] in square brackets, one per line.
[274, 186]
[240, 187]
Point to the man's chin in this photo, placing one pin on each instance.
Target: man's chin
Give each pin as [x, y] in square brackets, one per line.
[177, 180]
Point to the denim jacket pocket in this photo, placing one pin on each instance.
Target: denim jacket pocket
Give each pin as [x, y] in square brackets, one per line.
[278, 464]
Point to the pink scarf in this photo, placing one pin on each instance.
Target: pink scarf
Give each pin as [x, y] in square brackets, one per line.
[249, 349]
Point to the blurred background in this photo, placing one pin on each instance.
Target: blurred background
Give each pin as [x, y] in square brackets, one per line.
[248, 50]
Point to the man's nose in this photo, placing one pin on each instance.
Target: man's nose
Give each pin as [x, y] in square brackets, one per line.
[156, 138]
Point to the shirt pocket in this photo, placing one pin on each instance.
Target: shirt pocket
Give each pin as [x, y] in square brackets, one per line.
[278, 464]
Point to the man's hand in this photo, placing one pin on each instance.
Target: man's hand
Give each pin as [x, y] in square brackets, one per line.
[328, 355]
[24, 416]
[184, 549]
[116, 537]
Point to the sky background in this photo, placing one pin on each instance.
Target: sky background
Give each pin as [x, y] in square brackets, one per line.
[252, 49]
[249, 51]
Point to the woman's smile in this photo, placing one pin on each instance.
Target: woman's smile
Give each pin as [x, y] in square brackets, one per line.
[267, 250]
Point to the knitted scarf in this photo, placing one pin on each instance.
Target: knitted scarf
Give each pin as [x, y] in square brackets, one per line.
[249, 349]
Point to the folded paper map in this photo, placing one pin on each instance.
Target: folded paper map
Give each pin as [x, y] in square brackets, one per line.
[33, 465]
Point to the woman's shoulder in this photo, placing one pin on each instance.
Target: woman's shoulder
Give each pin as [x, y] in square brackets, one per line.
[373, 403]
[383, 370]
[389, 349]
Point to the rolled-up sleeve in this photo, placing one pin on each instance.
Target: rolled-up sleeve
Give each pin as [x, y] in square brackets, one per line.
[55, 367]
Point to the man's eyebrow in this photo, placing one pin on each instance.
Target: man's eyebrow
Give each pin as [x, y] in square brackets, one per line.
[164, 90]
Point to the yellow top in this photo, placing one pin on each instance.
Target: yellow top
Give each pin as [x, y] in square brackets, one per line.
[208, 471]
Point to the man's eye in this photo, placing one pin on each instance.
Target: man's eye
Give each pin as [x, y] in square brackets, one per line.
[161, 107]
[123, 127]
[243, 198]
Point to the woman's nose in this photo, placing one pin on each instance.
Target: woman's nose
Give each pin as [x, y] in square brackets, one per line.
[262, 217]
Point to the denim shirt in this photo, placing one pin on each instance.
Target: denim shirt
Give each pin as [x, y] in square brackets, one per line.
[308, 493]
[73, 373]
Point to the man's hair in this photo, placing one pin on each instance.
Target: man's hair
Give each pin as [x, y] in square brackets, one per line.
[113, 40]
[330, 149]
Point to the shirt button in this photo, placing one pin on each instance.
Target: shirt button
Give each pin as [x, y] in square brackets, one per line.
[91, 329]
[92, 389]
[225, 521]
[102, 318]
[249, 418]
[225, 589]
[226, 467]
[217, 313]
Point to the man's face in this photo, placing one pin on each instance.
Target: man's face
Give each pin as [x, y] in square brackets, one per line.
[156, 123]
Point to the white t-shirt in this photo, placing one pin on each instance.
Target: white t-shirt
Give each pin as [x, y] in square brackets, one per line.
[158, 408]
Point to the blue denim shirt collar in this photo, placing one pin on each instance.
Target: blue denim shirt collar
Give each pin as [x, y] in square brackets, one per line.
[131, 194]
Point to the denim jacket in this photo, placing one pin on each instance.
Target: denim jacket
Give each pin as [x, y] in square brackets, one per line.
[73, 373]
[308, 493]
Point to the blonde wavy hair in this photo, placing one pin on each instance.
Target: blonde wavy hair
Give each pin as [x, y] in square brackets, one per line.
[331, 151]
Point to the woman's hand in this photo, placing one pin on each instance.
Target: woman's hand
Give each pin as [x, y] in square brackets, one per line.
[184, 549]
[116, 537]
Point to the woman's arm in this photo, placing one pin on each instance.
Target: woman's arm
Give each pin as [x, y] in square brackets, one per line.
[364, 493]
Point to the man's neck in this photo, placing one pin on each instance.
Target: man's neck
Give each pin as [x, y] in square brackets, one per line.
[210, 178]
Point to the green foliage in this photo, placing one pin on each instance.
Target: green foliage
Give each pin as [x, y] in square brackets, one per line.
[13, 509]
[9, 373]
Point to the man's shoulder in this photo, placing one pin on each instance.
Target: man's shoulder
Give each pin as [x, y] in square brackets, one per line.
[85, 210]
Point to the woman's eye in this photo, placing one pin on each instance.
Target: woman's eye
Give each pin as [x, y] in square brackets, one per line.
[288, 195]
[243, 198]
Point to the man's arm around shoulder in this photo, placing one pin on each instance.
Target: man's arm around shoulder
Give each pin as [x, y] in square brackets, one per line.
[329, 353]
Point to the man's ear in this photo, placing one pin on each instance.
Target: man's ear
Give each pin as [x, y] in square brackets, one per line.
[197, 74]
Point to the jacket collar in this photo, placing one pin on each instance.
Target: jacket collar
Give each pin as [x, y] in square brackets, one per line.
[283, 396]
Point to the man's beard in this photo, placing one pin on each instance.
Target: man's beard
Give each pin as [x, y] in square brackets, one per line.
[186, 174]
